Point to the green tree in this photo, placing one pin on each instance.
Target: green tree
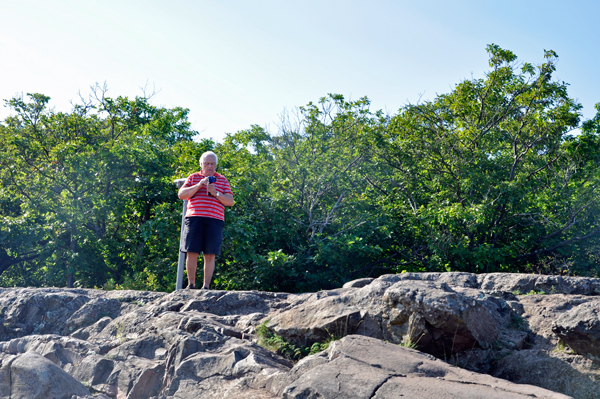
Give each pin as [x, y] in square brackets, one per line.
[86, 187]
[487, 177]
[301, 220]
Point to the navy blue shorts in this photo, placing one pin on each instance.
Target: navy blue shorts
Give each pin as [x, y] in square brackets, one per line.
[202, 235]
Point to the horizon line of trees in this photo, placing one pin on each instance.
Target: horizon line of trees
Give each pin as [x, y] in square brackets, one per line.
[489, 177]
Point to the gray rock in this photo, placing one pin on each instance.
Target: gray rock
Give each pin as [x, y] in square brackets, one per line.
[525, 283]
[94, 370]
[554, 370]
[202, 344]
[316, 321]
[91, 312]
[31, 376]
[361, 367]
[503, 283]
[52, 310]
[60, 350]
[361, 282]
[539, 312]
[454, 279]
[579, 328]
[440, 320]
[238, 367]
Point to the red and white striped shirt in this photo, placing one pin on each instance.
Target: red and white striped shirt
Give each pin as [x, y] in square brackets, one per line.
[202, 204]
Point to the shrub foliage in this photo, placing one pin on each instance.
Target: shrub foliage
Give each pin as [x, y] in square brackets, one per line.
[499, 174]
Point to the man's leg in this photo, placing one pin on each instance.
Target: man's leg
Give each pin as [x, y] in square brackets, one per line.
[191, 263]
[209, 268]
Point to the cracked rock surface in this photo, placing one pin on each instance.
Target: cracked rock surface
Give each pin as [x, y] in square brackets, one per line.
[476, 336]
[361, 367]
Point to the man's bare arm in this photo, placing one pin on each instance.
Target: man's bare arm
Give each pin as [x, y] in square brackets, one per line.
[224, 199]
[188, 192]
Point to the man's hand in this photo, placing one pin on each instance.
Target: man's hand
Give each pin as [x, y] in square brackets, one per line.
[212, 190]
[203, 182]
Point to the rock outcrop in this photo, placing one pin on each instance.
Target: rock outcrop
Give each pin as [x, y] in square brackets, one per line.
[476, 336]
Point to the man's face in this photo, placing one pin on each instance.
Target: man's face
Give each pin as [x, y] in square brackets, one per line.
[209, 165]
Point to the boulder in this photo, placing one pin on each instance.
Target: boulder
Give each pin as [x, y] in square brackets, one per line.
[361, 282]
[438, 319]
[32, 376]
[555, 370]
[361, 367]
[53, 310]
[541, 311]
[526, 283]
[579, 328]
[58, 349]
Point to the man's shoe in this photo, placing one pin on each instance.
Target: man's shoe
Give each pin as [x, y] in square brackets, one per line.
[191, 287]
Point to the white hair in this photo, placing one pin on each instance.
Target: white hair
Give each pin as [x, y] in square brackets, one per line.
[209, 153]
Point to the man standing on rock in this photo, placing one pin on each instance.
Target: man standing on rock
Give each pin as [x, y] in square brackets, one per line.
[208, 193]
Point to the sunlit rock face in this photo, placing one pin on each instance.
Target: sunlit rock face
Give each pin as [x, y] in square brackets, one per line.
[434, 335]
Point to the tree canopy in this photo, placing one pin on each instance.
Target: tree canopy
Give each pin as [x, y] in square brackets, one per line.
[86, 196]
[499, 174]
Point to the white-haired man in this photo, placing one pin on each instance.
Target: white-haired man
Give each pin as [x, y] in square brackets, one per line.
[208, 193]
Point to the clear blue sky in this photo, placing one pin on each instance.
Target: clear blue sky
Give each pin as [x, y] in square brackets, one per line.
[241, 62]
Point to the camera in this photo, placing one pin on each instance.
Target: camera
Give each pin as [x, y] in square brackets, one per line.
[211, 179]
